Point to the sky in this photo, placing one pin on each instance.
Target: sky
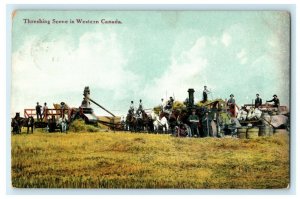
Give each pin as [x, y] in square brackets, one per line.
[149, 56]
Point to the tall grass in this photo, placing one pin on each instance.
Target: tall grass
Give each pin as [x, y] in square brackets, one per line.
[125, 160]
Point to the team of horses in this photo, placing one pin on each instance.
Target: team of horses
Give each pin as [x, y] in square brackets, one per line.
[163, 122]
[137, 122]
[18, 123]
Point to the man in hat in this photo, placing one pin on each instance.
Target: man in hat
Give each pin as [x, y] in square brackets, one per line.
[170, 103]
[231, 105]
[194, 120]
[162, 105]
[62, 107]
[131, 108]
[45, 108]
[205, 92]
[141, 105]
[206, 125]
[38, 111]
[258, 101]
[275, 100]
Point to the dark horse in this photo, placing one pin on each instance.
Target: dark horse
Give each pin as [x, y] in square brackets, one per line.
[145, 122]
[29, 123]
[16, 128]
[130, 122]
[19, 122]
[172, 118]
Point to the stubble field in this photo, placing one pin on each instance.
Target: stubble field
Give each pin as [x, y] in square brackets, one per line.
[129, 160]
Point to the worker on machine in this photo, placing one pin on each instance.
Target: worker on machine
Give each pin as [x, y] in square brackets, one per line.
[131, 108]
[140, 106]
[38, 111]
[169, 105]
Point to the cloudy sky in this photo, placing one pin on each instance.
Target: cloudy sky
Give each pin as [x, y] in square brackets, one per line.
[151, 55]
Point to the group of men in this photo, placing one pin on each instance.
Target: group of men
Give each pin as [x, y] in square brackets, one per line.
[194, 120]
[39, 114]
[191, 127]
[164, 106]
[258, 101]
[231, 104]
[139, 110]
[231, 101]
[42, 113]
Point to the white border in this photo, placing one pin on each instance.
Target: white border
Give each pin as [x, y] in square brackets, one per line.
[5, 85]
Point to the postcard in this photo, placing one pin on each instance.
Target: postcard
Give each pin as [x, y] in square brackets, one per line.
[150, 99]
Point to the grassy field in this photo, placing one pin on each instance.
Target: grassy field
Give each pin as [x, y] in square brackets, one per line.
[128, 160]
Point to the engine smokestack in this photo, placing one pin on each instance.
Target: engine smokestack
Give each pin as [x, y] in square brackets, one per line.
[191, 97]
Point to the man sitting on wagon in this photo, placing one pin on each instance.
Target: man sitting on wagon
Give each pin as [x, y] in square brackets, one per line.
[258, 101]
[140, 109]
[131, 108]
[275, 100]
[169, 105]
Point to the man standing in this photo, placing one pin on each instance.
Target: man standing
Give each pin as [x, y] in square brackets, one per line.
[231, 105]
[63, 124]
[62, 107]
[38, 111]
[194, 120]
[275, 100]
[205, 92]
[206, 125]
[258, 101]
[45, 108]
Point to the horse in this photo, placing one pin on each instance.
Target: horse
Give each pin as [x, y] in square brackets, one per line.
[242, 114]
[139, 122]
[18, 123]
[29, 123]
[16, 128]
[254, 113]
[173, 120]
[159, 122]
[123, 123]
[147, 121]
[130, 122]
[276, 121]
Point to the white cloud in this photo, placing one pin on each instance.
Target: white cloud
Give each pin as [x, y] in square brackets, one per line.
[213, 41]
[47, 70]
[226, 39]
[184, 72]
[242, 56]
